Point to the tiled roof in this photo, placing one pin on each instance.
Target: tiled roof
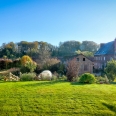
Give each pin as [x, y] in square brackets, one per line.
[72, 56]
[107, 48]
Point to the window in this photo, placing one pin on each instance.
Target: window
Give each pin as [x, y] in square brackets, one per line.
[83, 59]
[77, 59]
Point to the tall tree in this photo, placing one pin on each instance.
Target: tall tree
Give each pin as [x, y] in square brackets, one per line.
[111, 70]
[68, 48]
[44, 51]
[89, 46]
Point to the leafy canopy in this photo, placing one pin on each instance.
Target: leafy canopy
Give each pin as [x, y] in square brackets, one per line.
[111, 70]
[25, 59]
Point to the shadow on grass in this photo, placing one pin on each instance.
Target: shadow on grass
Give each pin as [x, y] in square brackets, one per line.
[113, 83]
[9, 81]
[110, 107]
[77, 83]
[2, 81]
[45, 83]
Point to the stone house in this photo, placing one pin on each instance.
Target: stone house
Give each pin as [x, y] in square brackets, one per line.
[106, 52]
[85, 64]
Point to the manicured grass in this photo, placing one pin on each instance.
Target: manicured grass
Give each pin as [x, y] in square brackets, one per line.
[57, 99]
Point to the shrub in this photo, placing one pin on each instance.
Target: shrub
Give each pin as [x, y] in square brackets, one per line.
[17, 62]
[111, 70]
[53, 65]
[27, 77]
[24, 59]
[5, 64]
[64, 77]
[54, 78]
[24, 69]
[1, 77]
[87, 78]
[31, 65]
[49, 63]
[72, 69]
[101, 80]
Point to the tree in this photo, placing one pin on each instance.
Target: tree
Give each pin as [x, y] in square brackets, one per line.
[28, 48]
[44, 52]
[111, 70]
[68, 48]
[49, 63]
[25, 59]
[72, 69]
[31, 65]
[8, 50]
[89, 46]
[85, 53]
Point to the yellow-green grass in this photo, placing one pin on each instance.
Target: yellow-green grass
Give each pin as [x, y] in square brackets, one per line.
[57, 98]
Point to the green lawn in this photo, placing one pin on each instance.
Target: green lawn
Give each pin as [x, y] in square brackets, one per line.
[57, 99]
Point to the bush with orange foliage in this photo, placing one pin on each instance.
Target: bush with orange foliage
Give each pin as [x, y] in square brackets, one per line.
[25, 59]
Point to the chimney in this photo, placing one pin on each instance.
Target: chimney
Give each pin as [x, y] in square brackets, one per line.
[101, 45]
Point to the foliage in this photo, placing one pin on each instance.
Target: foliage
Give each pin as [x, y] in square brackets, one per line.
[17, 62]
[72, 69]
[1, 77]
[43, 50]
[8, 50]
[31, 65]
[55, 74]
[28, 48]
[68, 48]
[85, 53]
[27, 76]
[5, 63]
[87, 78]
[63, 77]
[111, 70]
[24, 69]
[38, 68]
[59, 68]
[101, 80]
[54, 78]
[89, 46]
[25, 59]
[48, 63]
[52, 64]
[27, 64]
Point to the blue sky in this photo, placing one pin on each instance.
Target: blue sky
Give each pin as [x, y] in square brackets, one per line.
[55, 21]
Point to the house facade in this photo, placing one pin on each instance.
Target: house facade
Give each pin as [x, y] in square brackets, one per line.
[106, 52]
[85, 64]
